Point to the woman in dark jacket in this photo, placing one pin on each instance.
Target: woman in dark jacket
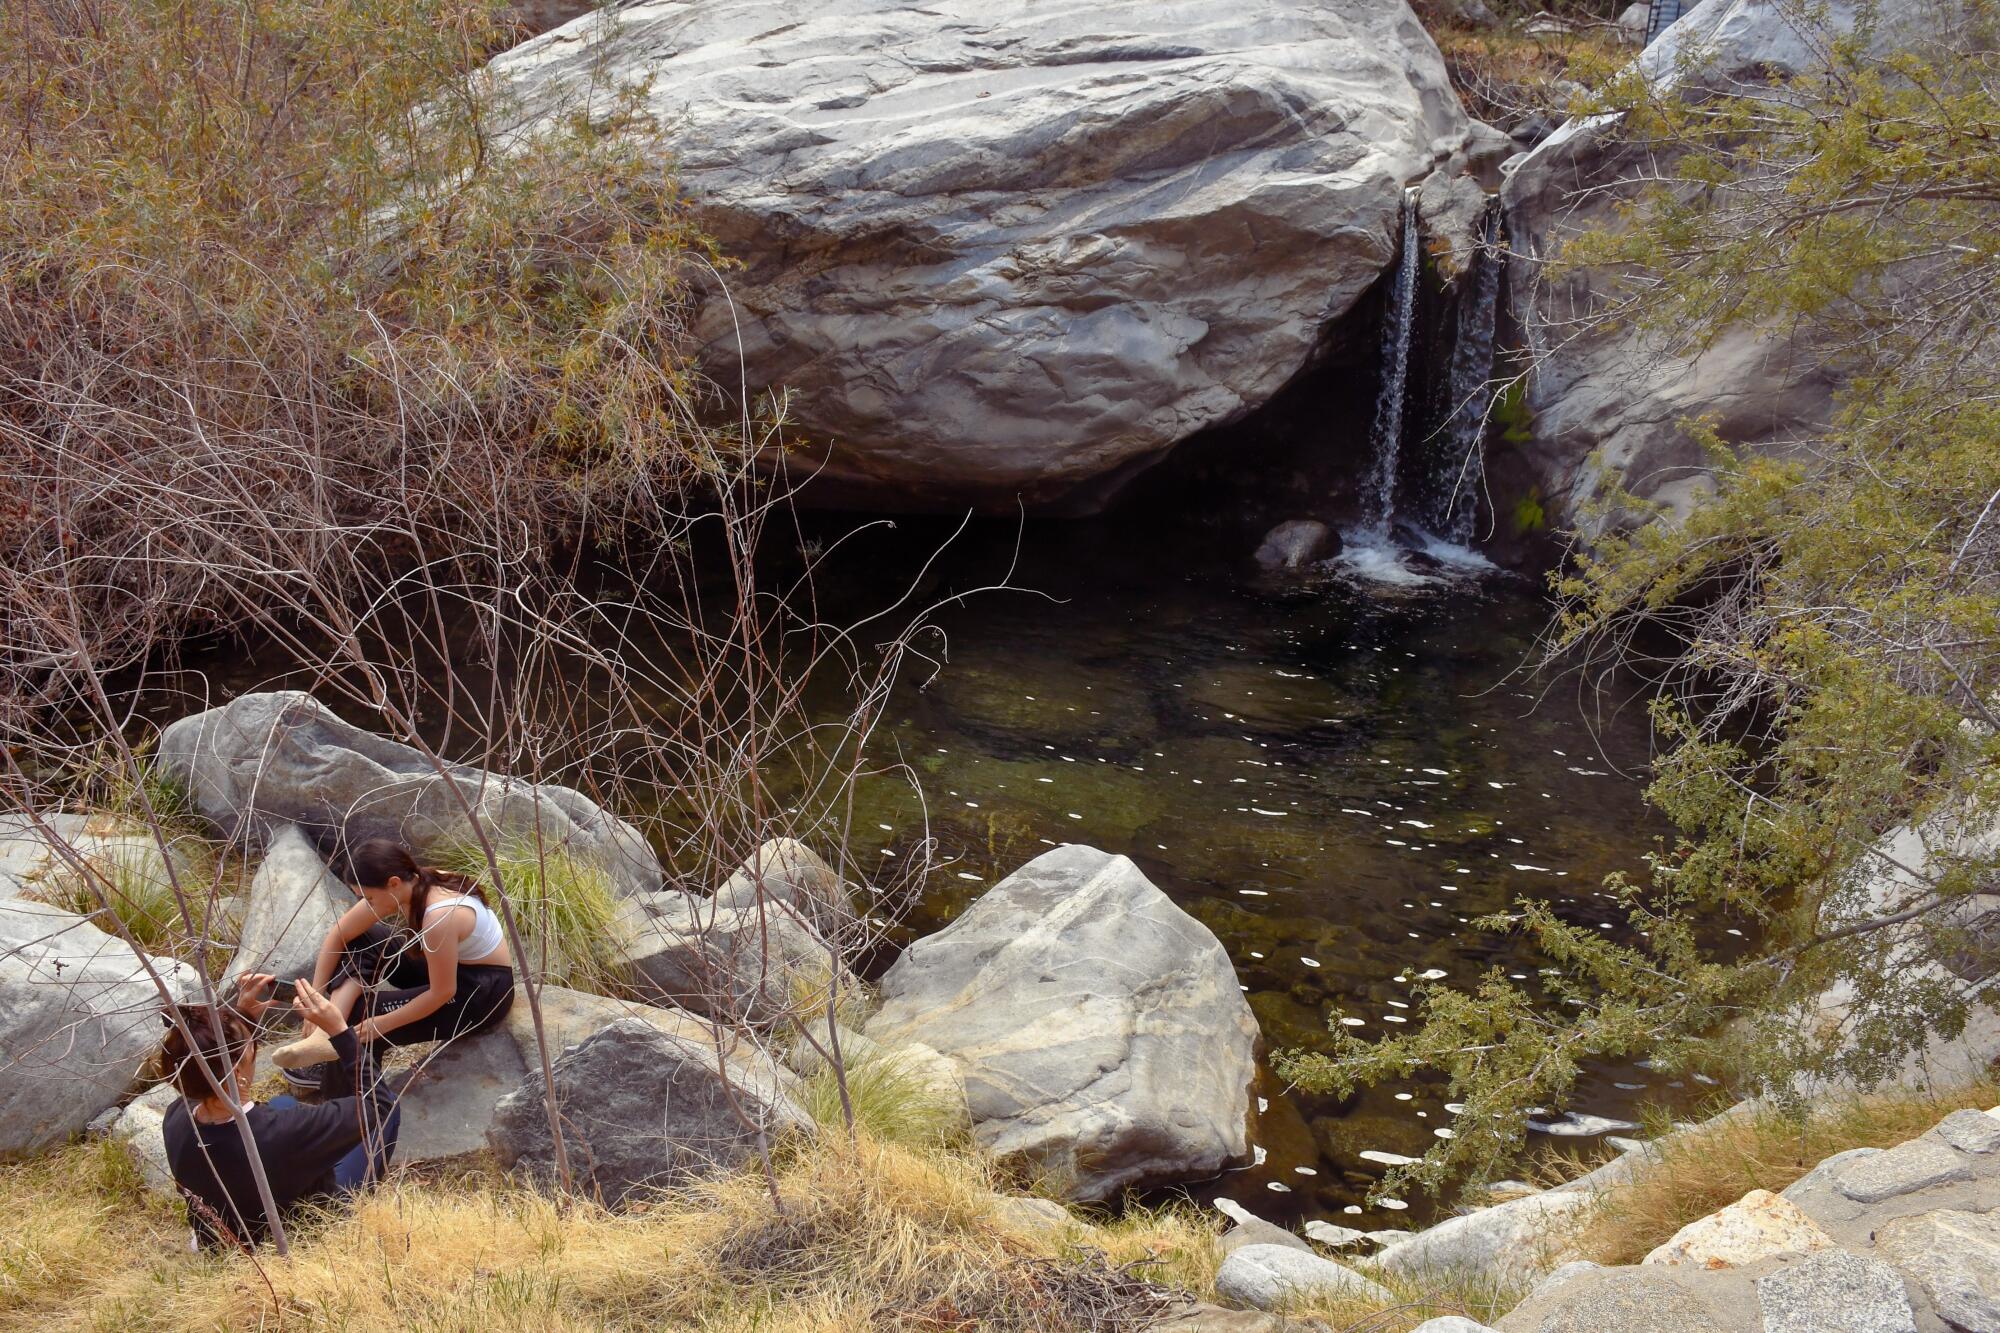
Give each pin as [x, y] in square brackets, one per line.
[308, 1152]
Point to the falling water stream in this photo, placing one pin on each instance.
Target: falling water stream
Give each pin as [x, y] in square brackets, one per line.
[1380, 496]
[1450, 503]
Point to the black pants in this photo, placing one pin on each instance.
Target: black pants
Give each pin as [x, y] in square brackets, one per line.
[482, 997]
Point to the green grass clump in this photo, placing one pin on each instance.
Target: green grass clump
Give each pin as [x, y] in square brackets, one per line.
[893, 1098]
[564, 906]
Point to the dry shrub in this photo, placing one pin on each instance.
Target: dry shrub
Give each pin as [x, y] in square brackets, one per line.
[1700, 1171]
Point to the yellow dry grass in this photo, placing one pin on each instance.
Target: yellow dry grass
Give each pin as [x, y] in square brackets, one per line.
[1698, 1172]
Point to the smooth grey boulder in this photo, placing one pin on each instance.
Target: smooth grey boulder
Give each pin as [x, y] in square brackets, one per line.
[1296, 543]
[787, 872]
[642, 1110]
[1903, 1169]
[1264, 1276]
[284, 756]
[1250, 1229]
[1835, 1292]
[751, 964]
[1954, 1259]
[79, 1017]
[294, 901]
[1000, 248]
[1451, 1323]
[1638, 1300]
[1101, 1030]
[1515, 1241]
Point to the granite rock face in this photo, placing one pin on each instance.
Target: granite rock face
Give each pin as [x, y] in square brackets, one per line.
[285, 757]
[1003, 249]
[1099, 1028]
[1757, 1226]
[1836, 1292]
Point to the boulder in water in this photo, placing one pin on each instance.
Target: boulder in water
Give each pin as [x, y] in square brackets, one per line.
[1296, 543]
[1002, 249]
[1100, 1029]
[285, 757]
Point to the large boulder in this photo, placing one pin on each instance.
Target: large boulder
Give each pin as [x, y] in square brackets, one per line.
[642, 1109]
[283, 756]
[750, 964]
[294, 900]
[1609, 402]
[1101, 1031]
[1002, 249]
[450, 1103]
[1264, 1277]
[38, 855]
[787, 872]
[79, 1017]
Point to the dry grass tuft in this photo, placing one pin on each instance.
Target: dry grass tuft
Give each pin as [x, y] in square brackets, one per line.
[1699, 1172]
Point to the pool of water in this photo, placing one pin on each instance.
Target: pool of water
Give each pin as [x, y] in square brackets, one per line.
[1335, 773]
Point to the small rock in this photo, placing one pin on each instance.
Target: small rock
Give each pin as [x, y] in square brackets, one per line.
[1509, 1241]
[141, 1126]
[1955, 1258]
[1451, 1323]
[1632, 22]
[1969, 1131]
[1339, 1238]
[1757, 1226]
[1261, 1276]
[1836, 1292]
[1903, 1169]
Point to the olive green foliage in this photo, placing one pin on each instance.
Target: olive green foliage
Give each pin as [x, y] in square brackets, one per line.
[1823, 632]
[275, 285]
[564, 907]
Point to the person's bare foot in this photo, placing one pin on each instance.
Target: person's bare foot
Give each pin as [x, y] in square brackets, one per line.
[315, 1048]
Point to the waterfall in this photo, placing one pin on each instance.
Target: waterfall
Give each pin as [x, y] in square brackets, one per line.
[1451, 504]
[1380, 499]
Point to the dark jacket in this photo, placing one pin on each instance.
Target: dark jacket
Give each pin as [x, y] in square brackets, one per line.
[299, 1146]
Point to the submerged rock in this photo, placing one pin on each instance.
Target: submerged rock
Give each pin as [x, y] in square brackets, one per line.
[1002, 249]
[1100, 1029]
[285, 757]
[1296, 543]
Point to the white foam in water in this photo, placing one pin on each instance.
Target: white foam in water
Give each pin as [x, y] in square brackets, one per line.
[1369, 557]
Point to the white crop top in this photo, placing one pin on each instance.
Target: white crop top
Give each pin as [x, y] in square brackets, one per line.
[486, 936]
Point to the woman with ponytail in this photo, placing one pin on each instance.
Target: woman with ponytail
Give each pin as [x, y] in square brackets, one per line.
[447, 975]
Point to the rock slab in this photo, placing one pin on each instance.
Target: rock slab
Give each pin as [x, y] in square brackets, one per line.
[1836, 1292]
[1100, 1029]
[1954, 1257]
[1010, 248]
[294, 901]
[284, 756]
[1903, 1169]
[642, 1110]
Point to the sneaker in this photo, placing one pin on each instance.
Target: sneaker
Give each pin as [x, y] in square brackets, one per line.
[315, 1048]
[304, 1083]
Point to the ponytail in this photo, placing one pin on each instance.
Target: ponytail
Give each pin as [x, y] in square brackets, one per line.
[379, 860]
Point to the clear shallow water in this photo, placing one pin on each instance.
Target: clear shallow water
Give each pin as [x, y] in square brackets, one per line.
[1334, 774]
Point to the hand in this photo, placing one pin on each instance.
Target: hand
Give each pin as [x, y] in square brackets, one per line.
[314, 1008]
[364, 1031]
[253, 994]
